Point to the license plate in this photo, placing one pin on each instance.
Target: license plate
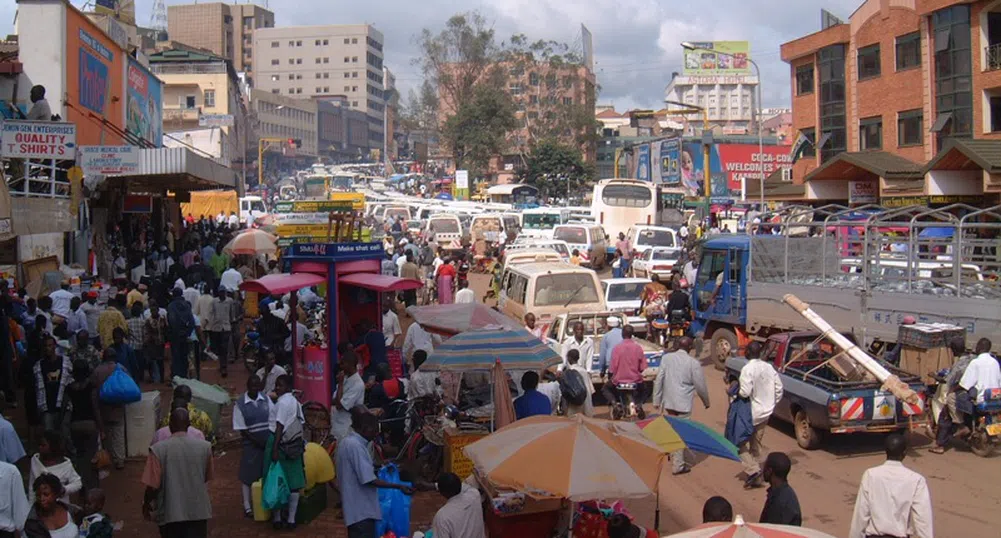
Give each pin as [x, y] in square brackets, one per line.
[994, 429]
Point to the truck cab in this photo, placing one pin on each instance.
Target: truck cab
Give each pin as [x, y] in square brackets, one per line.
[719, 297]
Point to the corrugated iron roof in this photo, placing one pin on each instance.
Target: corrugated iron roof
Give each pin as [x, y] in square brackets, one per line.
[880, 163]
[985, 153]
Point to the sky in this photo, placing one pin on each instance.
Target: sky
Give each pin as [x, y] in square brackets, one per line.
[636, 42]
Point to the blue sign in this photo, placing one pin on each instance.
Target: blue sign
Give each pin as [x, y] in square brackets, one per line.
[96, 45]
[93, 82]
[337, 251]
[670, 162]
[643, 162]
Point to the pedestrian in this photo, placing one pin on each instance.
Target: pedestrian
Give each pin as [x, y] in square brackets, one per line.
[530, 326]
[350, 393]
[181, 322]
[76, 320]
[760, 383]
[94, 522]
[717, 510]
[391, 330]
[583, 344]
[231, 278]
[422, 384]
[250, 418]
[573, 365]
[52, 374]
[176, 479]
[418, 338]
[137, 339]
[51, 459]
[218, 326]
[112, 415]
[357, 481]
[409, 270]
[154, 342]
[86, 428]
[124, 354]
[679, 379]
[285, 447]
[628, 363]
[85, 350]
[198, 419]
[164, 432]
[50, 516]
[236, 314]
[462, 515]
[608, 342]
[11, 448]
[109, 320]
[531, 402]
[892, 500]
[575, 257]
[781, 504]
[270, 372]
[983, 373]
[14, 510]
[625, 260]
[620, 526]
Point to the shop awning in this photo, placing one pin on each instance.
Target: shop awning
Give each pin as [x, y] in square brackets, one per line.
[177, 169]
[279, 284]
[380, 283]
[866, 165]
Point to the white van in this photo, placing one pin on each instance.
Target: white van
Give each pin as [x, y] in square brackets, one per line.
[522, 256]
[548, 290]
[643, 237]
[252, 206]
[445, 229]
[494, 227]
[540, 222]
[588, 239]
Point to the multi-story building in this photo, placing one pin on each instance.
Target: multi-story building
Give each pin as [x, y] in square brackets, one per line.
[225, 29]
[392, 113]
[901, 84]
[342, 132]
[317, 61]
[729, 100]
[280, 116]
[203, 106]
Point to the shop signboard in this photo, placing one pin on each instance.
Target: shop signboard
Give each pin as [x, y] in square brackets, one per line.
[863, 192]
[337, 251]
[315, 230]
[109, 160]
[320, 206]
[38, 140]
[718, 58]
[144, 106]
[643, 162]
[215, 120]
[137, 203]
[892, 202]
[462, 179]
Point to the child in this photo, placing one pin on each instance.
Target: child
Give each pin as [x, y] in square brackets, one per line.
[95, 524]
[50, 460]
[575, 257]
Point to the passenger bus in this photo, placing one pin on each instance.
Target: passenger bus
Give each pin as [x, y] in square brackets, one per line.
[618, 204]
[513, 193]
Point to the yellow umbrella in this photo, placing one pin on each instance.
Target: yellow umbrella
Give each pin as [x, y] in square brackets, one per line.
[577, 458]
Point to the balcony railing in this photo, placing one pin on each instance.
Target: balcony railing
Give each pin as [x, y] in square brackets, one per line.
[993, 57]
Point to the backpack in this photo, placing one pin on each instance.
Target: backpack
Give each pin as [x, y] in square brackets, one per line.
[572, 387]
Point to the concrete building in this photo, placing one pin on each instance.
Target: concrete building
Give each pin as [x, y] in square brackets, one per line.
[225, 29]
[317, 61]
[199, 87]
[342, 132]
[285, 117]
[729, 99]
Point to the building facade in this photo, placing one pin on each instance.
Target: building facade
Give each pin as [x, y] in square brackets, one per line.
[279, 116]
[729, 100]
[302, 62]
[225, 29]
[342, 132]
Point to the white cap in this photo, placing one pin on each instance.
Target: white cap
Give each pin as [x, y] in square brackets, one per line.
[613, 321]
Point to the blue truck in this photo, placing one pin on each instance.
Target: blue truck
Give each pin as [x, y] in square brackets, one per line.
[824, 394]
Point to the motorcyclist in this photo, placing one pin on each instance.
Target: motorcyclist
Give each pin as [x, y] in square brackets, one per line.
[678, 301]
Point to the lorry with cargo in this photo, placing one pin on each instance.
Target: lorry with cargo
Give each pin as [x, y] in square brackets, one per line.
[861, 269]
[211, 203]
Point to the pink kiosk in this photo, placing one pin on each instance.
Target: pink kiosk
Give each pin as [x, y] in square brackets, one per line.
[350, 274]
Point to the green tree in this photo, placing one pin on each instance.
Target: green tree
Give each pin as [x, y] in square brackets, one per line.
[478, 129]
[456, 59]
[555, 168]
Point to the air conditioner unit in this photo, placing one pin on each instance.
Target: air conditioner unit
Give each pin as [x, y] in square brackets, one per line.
[787, 175]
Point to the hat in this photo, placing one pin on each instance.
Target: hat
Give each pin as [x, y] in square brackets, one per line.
[613, 321]
[908, 320]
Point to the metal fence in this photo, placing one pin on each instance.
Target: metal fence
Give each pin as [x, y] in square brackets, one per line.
[37, 178]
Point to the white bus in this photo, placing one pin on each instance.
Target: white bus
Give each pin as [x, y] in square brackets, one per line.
[618, 204]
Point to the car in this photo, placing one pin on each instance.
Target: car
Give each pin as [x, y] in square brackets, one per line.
[656, 261]
[560, 247]
[623, 295]
[560, 329]
[643, 237]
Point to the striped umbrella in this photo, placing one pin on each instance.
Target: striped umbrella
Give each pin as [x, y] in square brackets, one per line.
[516, 349]
[675, 433]
[575, 458]
[252, 242]
[741, 529]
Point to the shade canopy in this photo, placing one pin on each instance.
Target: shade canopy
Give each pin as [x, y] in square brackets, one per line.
[742, 529]
[252, 242]
[452, 319]
[280, 284]
[675, 433]
[381, 283]
[516, 349]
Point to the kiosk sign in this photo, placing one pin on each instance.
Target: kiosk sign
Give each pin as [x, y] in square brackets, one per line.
[337, 250]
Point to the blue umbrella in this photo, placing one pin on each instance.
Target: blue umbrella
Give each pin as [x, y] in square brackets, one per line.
[516, 349]
[936, 231]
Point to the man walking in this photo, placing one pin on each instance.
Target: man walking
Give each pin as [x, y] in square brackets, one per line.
[583, 344]
[628, 364]
[217, 323]
[623, 246]
[781, 505]
[608, 343]
[462, 515]
[180, 322]
[760, 383]
[176, 476]
[14, 510]
[892, 500]
[679, 378]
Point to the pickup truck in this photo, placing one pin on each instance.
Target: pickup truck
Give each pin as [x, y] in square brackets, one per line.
[818, 400]
[560, 329]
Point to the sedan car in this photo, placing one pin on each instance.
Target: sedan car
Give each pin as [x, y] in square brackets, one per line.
[623, 295]
[656, 261]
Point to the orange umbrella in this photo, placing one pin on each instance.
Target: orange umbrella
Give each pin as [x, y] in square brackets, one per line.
[503, 404]
[252, 242]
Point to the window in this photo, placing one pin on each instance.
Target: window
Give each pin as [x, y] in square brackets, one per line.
[208, 97]
[298, 76]
[568, 101]
[804, 80]
[868, 62]
[316, 43]
[291, 61]
[953, 81]
[291, 76]
[347, 75]
[354, 88]
[871, 133]
[317, 90]
[347, 88]
[275, 62]
[298, 43]
[274, 78]
[291, 43]
[274, 44]
[354, 59]
[909, 127]
[298, 90]
[347, 59]
[831, 73]
[326, 75]
[809, 150]
[347, 41]
[533, 79]
[326, 89]
[326, 60]
[908, 51]
[326, 42]
[276, 90]
[188, 102]
[533, 99]
[354, 74]
[317, 75]
[626, 196]
[298, 61]
[317, 60]
[354, 104]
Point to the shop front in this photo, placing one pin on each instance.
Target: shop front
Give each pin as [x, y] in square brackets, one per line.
[965, 171]
[864, 178]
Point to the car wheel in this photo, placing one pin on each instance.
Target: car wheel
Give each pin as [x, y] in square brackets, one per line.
[724, 343]
[807, 437]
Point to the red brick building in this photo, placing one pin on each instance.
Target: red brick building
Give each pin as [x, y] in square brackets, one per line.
[900, 77]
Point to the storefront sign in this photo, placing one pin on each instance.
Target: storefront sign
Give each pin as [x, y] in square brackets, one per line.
[462, 179]
[144, 107]
[137, 203]
[728, 164]
[93, 82]
[863, 192]
[215, 120]
[315, 230]
[319, 206]
[338, 250]
[38, 140]
[109, 160]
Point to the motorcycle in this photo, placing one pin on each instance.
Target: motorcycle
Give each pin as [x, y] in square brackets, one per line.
[626, 406]
[985, 423]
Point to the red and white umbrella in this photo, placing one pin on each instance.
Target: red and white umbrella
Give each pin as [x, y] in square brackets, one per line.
[742, 529]
[252, 242]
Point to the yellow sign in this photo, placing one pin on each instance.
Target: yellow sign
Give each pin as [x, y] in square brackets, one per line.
[718, 58]
[316, 230]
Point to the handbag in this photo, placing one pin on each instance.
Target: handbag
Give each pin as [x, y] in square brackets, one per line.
[119, 388]
[292, 446]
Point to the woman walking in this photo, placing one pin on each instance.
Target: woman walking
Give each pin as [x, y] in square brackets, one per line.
[250, 418]
[50, 517]
[85, 423]
[285, 447]
[445, 281]
[50, 460]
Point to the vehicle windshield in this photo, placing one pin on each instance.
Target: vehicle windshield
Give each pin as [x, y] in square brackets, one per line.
[571, 234]
[257, 206]
[540, 221]
[664, 255]
[398, 212]
[445, 226]
[629, 291]
[594, 324]
[655, 238]
[561, 289]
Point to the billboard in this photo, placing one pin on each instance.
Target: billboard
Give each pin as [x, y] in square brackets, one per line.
[665, 162]
[144, 106]
[718, 58]
[95, 73]
[728, 163]
[588, 45]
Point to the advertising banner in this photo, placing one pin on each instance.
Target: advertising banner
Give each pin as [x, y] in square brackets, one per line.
[137, 203]
[93, 82]
[863, 192]
[319, 206]
[728, 163]
[109, 160]
[144, 106]
[718, 58]
[38, 140]
[643, 162]
[670, 162]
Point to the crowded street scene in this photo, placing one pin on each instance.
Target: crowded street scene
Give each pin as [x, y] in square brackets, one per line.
[472, 299]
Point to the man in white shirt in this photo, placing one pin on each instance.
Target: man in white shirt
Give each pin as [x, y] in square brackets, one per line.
[14, 509]
[350, 394]
[689, 271]
[983, 373]
[531, 327]
[583, 344]
[234, 221]
[92, 311]
[203, 306]
[301, 335]
[391, 326]
[465, 295]
[418, 338]
[270, 372]
[220, 218]
[422, 384]
[61, 300]
[462, 515]
[892, 500]
[231, 278]
[761, 384]
[191, 295]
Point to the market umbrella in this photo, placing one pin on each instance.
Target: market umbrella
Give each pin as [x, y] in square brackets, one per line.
[741, 529]
[675, 433]
[452, 319]
[577, 458]
[251, 242]
[516, 349]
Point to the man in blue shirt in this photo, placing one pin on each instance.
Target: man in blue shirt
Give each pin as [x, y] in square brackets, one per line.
[532, 402]
[357, 480]
[11, 449]
[608, 342]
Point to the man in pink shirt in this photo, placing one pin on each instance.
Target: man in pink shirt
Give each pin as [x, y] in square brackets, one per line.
[628, 363]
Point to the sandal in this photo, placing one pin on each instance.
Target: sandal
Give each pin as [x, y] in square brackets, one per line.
[937, 450]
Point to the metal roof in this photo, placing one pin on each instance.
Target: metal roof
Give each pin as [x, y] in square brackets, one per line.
[880, 163]
[178, 168]
[984, 154]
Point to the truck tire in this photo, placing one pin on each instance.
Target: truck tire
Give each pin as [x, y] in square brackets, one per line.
[724, 343]
[807, 437]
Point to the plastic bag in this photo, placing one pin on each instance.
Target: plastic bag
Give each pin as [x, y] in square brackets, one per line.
[102, 459]
[276, 492]
[119, 388]
[394, 503]
[572, 387]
